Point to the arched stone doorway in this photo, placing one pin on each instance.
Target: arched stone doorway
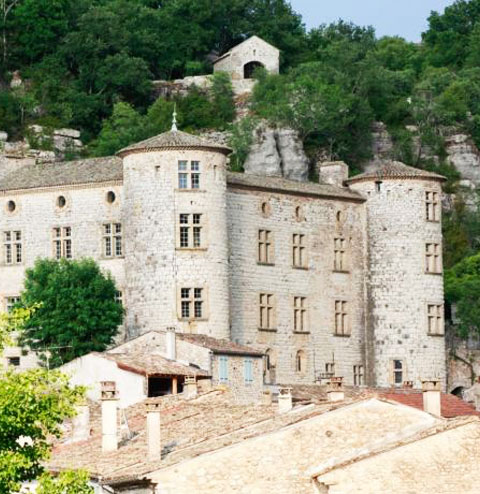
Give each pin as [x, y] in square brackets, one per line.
[249, 68]
[458, 391]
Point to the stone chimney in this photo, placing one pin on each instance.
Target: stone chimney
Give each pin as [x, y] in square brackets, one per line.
[109, 416]
[81, 423]
[190, 389]
[154, 444]
[171, 343]
[285, 403]
[407, 385]
[335, 390]
[267, 397]
[333, 173]
[432, 391]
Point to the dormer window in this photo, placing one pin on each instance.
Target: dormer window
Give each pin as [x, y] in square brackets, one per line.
[188, 174]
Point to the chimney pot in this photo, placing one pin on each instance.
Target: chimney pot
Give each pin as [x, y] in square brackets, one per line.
[153, 431]
[335, 391]
[285, 403]
[432, 390]
[109, 416]
[190, 387]
[407, 384]
[267, 397]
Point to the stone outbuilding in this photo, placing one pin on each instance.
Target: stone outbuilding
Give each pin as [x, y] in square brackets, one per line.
[242, 60]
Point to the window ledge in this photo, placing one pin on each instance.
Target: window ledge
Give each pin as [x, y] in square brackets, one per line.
[435, 274]
[436, 334]
[301, 268]
[268, 330]
[193, 319]
[432, 221]
[190, 190]
[265, 263]
[344, 271]
[342, 335]
[111, 258]
[190, 249]
[301, 332]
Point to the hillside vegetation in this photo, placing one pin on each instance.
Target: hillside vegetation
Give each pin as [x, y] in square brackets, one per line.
[89, 64]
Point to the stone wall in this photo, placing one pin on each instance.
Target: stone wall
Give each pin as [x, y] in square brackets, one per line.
[399, 288]
[318, 282]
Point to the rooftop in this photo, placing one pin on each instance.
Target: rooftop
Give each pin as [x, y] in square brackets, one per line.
[151, 364]
[219, 346]
[395, 170]
[174, 139]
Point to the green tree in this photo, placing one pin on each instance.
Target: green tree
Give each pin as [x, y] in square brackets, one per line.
[462, 287]
[68, 482]
[222, 99]
[78, 312]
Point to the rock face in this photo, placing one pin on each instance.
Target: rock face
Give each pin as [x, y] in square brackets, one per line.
[277, 153]
[465, 156]
[382, 144]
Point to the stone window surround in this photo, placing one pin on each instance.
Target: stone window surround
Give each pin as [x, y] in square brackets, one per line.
[203, 235]
[267, 320]
[393, 371]
[204, 300]
[265, 247]
[301, 362]
[433, 208]
[265, 208]
[437, 313]
[330, 368]
[191, 172]
[62, 242]
[342, 311]
[340, 254]
[113, 235]
[434, 253]
[12, 247]
[9, 300]
[358, 375]
[300, 314]
[299, 251]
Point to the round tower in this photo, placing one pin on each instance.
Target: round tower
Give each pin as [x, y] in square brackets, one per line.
[176, 248]
[404, 306]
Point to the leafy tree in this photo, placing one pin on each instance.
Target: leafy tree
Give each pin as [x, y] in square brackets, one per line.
[78, 312]
[462, 286]
[67, 482]
[222, 99]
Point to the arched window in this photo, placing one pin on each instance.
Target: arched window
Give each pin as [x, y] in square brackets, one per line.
[301, 362]
[249, 69]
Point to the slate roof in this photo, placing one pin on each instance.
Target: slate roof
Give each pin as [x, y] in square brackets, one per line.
[229, 52]
[395, 170]
[219, 346]
[87, 171]
[151, 364]
[243, 180]
[174, 140]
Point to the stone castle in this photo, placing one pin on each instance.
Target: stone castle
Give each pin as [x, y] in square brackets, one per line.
[337, 278]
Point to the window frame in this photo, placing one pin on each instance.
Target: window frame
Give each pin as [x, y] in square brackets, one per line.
[265, 247]
[299, 251]
[434, 256]
[438, 316]
[340, 254]
[222, 369]
[188, 226]
[191, 302]
[432, 206]
[189, 175]
[62, 244]
[267, 311]
[358, 375]
[300, 314]
[301, 363]
[394, 371]
[248, 370]
[13, 254]
[113, 238]
[342, 311]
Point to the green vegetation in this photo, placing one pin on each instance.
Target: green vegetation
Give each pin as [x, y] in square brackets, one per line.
[76, 309]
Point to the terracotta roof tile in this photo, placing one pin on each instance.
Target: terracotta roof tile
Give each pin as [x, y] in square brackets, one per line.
[172, 140]
[219, 346]
[395, 169]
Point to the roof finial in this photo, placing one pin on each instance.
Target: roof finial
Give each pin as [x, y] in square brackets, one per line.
[174, 118]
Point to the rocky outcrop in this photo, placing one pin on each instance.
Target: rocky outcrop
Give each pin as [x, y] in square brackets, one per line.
[382, 144]
[277, 153]
[464, 155]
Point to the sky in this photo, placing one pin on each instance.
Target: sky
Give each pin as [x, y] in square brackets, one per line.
[406, 18]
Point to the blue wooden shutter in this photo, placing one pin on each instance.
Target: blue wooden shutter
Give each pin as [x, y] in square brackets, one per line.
[248, 370]
[223, 369]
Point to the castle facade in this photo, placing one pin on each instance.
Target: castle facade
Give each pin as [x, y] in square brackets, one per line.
[341, 277]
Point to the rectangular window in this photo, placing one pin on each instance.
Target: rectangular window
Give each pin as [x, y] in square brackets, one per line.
[433, 261]
[190, 231]
[10, 302]
[340, 254]
[12, 245]
[188, 175]
[62, 242]
[267, 311]
[397, 372]
[330, 368]
[265, 248]
[14, 361]
[435, 319]
[112, 240]
[192, 303]
[223, 369]
[358, 375]
[299, 251]
[432, 206]
[248, 370]
[341, 318]
[119, 297]
[300, 314]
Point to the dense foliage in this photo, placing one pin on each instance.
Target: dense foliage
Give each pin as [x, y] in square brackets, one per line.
[77, 312]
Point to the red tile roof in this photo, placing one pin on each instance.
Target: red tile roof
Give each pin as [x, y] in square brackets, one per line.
[219, 346]
[451, 405]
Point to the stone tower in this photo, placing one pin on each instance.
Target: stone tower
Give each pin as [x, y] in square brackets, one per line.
[176, 247]
[404, 306]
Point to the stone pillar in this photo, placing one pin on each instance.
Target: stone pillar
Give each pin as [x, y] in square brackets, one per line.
[154, 444]
[174, 385]
[81, 423]
[432, 391]
[285, 403]
[335, 390]
[190, 387]
[109, 416]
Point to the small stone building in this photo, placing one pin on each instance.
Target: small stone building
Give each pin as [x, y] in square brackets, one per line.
[242, 60]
